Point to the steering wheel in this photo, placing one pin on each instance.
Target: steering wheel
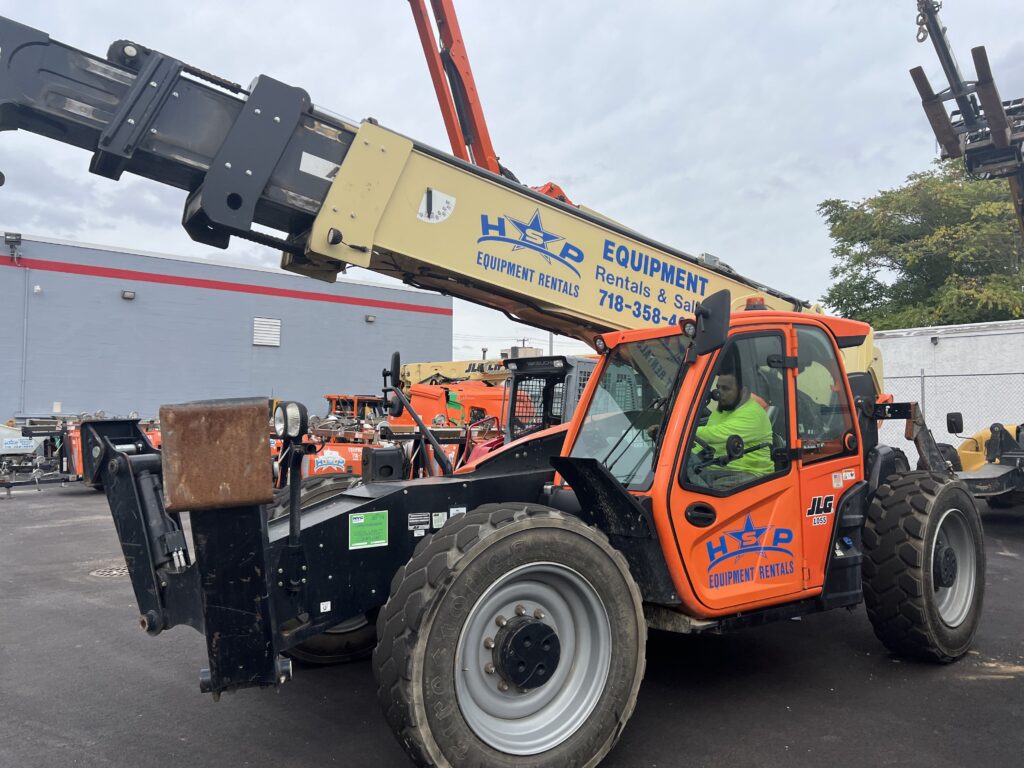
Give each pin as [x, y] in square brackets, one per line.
[695, 465]
[705, 458]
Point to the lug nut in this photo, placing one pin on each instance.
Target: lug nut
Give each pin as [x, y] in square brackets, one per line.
[502, 686]
[538, 614]
[501, 621]
[488, 643]
[489, 668]
[520, 610]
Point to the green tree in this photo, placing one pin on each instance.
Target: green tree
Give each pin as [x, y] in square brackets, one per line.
[942, 249]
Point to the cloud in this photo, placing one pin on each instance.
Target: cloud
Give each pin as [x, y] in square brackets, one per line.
[711, 127]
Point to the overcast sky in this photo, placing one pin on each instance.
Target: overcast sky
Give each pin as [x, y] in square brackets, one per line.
[714, 127]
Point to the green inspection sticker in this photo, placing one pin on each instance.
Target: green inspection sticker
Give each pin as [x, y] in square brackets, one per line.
[368, 529]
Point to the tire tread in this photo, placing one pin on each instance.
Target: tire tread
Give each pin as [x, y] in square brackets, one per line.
[427, 572]
[894, 550]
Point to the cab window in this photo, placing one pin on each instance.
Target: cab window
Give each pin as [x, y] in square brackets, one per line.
[744, 404]
[822, 409]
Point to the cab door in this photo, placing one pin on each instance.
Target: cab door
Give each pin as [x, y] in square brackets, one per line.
[739, 524]
[829, 453]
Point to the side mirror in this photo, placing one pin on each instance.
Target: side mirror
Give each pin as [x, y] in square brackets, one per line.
[954, 423]
[396, 369]
[395, 407]
[713, 322]
[734, 447]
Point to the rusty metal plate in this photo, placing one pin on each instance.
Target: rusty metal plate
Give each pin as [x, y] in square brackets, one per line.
[216, 454]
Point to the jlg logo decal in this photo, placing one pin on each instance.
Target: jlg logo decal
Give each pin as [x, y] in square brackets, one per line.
[821, 505]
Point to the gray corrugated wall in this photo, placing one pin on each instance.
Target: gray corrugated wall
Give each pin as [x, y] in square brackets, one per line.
[89, 349]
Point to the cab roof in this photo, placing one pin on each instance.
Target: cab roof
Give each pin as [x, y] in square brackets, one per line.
[847, 332]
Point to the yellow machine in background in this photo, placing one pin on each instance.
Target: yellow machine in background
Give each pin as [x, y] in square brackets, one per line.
[492, 371]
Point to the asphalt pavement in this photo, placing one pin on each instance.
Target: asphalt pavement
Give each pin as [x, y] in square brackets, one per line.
[82, 685]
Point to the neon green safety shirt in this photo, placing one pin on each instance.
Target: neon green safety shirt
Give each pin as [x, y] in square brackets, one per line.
[750, 422]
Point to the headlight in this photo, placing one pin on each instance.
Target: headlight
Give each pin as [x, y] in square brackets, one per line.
[689, 328]
[295, 414]
[290, 420]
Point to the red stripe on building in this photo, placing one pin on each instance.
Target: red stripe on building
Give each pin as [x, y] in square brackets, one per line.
[218, 285]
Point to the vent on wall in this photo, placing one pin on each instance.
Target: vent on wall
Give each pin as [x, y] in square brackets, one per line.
[266, 332]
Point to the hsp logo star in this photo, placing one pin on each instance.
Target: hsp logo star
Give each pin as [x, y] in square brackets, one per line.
[532, 233]
[749, 535]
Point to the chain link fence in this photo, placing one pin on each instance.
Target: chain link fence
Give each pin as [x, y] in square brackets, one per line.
[983, 398]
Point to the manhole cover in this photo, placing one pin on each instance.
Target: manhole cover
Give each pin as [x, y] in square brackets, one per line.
[110, 572]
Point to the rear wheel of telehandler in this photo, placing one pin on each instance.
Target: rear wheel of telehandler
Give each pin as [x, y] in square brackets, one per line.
[514, 637]
[924, 566]
[902, 462]
[352, 639]
[949, 455]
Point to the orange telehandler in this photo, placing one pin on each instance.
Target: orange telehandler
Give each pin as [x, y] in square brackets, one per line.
[722, 469]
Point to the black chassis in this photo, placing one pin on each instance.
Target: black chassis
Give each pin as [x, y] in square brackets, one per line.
[251, 591]
[257, 588]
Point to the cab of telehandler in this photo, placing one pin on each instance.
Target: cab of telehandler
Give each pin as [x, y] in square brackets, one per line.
[742, 488]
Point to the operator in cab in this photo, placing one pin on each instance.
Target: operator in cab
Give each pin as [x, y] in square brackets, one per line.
[737, 414]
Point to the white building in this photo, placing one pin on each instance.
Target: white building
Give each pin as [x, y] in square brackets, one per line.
[976, 369]
[86, 328]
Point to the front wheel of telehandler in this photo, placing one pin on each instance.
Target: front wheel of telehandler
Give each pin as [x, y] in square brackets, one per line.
[924, 566]
[515, 636]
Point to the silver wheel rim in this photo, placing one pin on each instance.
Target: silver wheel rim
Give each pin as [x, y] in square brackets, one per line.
[530, 722]
[954, 602]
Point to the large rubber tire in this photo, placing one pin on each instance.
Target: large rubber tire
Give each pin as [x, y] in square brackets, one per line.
[948, 452]
[350, 640]
[902, 462]
[914, 522]
[314, 490]
[431, 664]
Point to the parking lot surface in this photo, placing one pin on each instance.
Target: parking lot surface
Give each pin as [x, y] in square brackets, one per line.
[82, 685]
